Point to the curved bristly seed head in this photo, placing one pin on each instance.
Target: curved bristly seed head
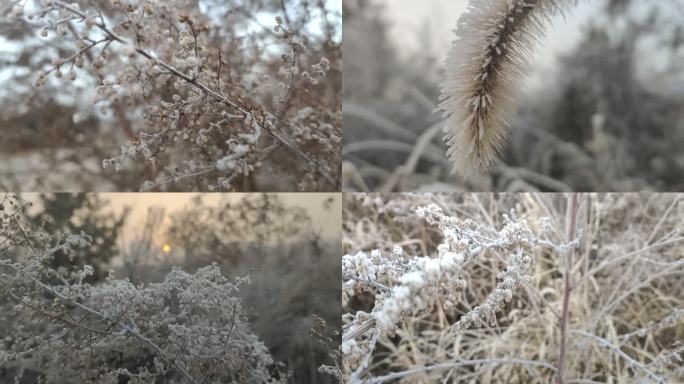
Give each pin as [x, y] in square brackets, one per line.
[484, 69]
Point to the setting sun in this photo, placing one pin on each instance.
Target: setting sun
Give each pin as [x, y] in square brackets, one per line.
[166, 248]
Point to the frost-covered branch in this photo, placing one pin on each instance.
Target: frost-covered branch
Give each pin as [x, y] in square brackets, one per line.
[406, 285]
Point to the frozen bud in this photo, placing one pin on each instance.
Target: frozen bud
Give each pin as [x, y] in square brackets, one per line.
[224, 183]
[325, 63]
[43, 32]
[72, 75]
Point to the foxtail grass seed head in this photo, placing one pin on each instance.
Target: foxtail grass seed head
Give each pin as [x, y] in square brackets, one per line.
[484, 70]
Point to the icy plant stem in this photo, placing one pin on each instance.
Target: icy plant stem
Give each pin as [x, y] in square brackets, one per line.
[570, 233]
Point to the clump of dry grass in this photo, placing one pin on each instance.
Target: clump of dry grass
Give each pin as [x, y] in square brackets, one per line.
[600, 301]
[484, 70]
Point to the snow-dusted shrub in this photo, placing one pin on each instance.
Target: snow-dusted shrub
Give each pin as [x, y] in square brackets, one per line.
[188, 328]
[453, 287]
[216, 106]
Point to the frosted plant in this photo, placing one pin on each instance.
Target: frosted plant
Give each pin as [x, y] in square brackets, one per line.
[484, 70]
[211, 113]
[189, 328]
[528, 298]
[405, 285]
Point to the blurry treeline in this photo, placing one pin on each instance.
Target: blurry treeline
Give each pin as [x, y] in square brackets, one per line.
[609, 117]
[294, 269]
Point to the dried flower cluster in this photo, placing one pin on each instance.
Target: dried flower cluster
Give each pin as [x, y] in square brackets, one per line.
[211, 115]
[189, 328]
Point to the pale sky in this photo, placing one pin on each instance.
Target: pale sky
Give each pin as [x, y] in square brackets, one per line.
[328, 223]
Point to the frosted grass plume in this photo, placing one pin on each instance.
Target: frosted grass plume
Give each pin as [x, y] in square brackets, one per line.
[484, 69]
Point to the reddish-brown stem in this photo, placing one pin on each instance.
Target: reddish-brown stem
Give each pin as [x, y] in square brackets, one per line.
[570, 233]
